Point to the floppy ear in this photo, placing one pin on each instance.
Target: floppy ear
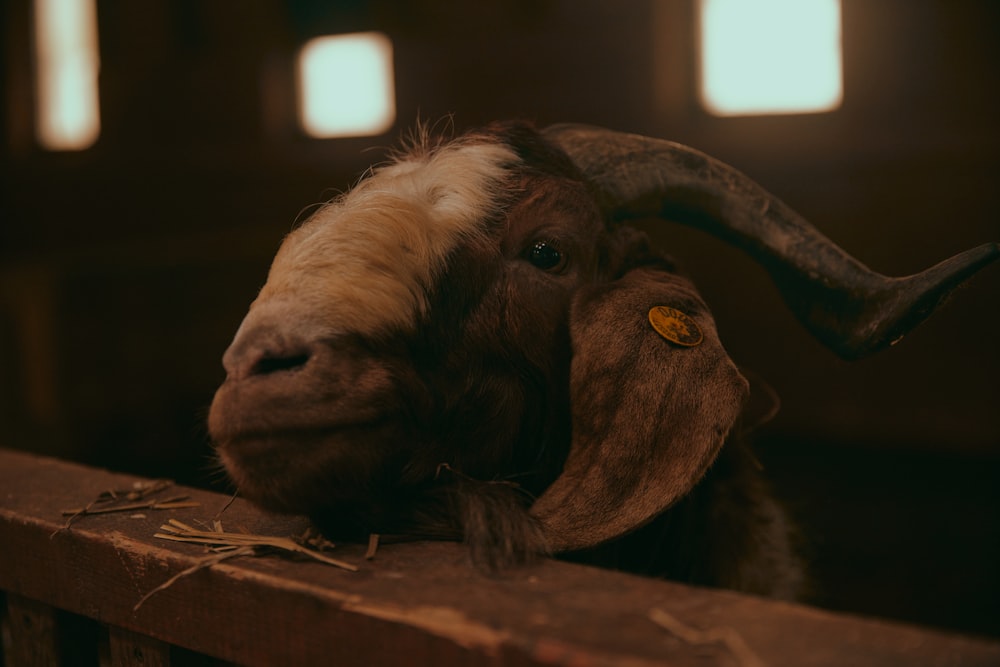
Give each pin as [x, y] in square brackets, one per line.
[649, 414]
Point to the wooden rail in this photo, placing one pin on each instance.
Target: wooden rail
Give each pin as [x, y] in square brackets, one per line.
[70, 595]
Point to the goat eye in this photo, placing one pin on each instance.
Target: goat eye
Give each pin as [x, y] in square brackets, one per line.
[544, 256]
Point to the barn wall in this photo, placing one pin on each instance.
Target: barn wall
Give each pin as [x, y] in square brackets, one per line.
[125, 268]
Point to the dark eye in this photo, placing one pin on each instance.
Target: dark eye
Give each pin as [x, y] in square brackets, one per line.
[545, 256]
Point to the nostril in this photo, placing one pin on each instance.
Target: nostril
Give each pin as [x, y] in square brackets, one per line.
[268, 364]
[262, 350]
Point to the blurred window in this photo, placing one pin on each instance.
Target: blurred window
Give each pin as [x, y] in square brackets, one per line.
[346, 85]
[770, 56]
[66, 66]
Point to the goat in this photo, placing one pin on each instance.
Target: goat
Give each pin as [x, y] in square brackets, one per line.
[472, 343]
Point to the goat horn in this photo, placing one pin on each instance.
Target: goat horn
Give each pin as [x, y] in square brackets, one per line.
[850, 308]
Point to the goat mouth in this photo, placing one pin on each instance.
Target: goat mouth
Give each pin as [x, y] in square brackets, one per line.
[251, 443]
[250, 413]
[279, 443]
[297, 469]
[250, 427]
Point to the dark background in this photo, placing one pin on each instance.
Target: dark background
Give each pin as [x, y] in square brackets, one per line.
[126, 268]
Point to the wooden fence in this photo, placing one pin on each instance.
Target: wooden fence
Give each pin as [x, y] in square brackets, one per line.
[70, 586]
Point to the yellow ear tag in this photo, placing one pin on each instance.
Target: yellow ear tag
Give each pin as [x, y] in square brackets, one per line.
[675, 326]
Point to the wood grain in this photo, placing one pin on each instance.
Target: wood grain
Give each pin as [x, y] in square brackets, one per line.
[415, 603]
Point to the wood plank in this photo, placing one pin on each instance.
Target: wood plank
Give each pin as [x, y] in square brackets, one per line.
[131, 649]
[417, 603]
[31, 638]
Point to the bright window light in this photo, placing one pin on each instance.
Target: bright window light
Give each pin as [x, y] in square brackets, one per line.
[67, 62]
[346, 85]
[770, 56]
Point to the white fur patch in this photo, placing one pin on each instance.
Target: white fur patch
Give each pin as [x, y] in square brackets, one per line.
[364, 263]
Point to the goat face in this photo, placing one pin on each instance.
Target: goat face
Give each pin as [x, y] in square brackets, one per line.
[475, 311]
[420, 320]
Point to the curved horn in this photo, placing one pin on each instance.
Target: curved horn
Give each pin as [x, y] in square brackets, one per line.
[850, 308]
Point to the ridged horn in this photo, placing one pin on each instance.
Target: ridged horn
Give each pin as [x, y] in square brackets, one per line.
[850, 308]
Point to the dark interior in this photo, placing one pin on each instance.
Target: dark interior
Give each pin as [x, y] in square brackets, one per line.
[125, 268]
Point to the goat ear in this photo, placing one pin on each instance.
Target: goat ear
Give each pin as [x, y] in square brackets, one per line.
[649, 415]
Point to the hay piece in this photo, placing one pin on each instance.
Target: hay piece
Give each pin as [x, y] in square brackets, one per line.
[177, 502]
[179, 532]
[314, 539]
[128, 500]
[202, 564]
[372, 546]
[729, 638]
[232, 499]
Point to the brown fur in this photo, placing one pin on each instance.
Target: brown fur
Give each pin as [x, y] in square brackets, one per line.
[524, 410]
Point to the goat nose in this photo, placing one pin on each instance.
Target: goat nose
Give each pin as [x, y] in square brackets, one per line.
[251, 358]
[272, 363]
